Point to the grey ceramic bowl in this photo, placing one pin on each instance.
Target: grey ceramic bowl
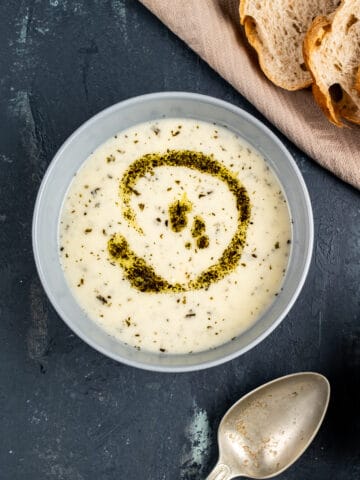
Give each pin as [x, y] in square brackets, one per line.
[121, 116]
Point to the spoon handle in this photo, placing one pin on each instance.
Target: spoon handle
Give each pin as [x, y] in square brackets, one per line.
[220, 472]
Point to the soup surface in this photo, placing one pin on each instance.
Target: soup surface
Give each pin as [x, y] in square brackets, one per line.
[175, 236]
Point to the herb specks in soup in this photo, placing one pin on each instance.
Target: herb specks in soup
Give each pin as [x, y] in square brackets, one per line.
[175, 236]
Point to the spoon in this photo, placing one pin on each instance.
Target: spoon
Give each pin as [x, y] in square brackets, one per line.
[269, 428]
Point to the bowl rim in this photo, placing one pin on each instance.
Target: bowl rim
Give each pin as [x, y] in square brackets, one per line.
[194, 97]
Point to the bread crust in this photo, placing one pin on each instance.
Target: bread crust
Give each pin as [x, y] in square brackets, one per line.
[334, 111]
[348, 109]
[312, 40]
[357, 80]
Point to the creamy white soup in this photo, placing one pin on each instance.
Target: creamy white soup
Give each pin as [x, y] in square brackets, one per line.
[175, 236]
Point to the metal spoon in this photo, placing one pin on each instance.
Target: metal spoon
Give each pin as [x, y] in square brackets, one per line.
[269, 428]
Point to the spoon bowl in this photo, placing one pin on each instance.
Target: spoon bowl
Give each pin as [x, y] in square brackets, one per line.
[268, 429]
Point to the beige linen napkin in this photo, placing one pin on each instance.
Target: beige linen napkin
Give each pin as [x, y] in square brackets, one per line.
[212, 29]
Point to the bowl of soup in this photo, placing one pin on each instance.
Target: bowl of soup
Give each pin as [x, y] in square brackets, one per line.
[172, 231]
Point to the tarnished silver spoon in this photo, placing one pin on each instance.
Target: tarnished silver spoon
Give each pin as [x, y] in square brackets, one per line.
[269, 428]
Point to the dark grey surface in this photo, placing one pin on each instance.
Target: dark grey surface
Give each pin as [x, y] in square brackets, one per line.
[67, 412]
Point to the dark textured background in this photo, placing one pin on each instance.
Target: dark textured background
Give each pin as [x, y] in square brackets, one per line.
[69, 413]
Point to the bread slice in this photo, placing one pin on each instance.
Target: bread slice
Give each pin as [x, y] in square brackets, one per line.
[332, 55]
[276, 29]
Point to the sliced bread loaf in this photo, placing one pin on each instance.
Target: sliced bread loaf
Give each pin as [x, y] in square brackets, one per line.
[276, 29]
[332, 54]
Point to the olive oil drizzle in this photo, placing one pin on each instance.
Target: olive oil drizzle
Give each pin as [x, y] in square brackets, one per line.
[138, 272]
[178, 213]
